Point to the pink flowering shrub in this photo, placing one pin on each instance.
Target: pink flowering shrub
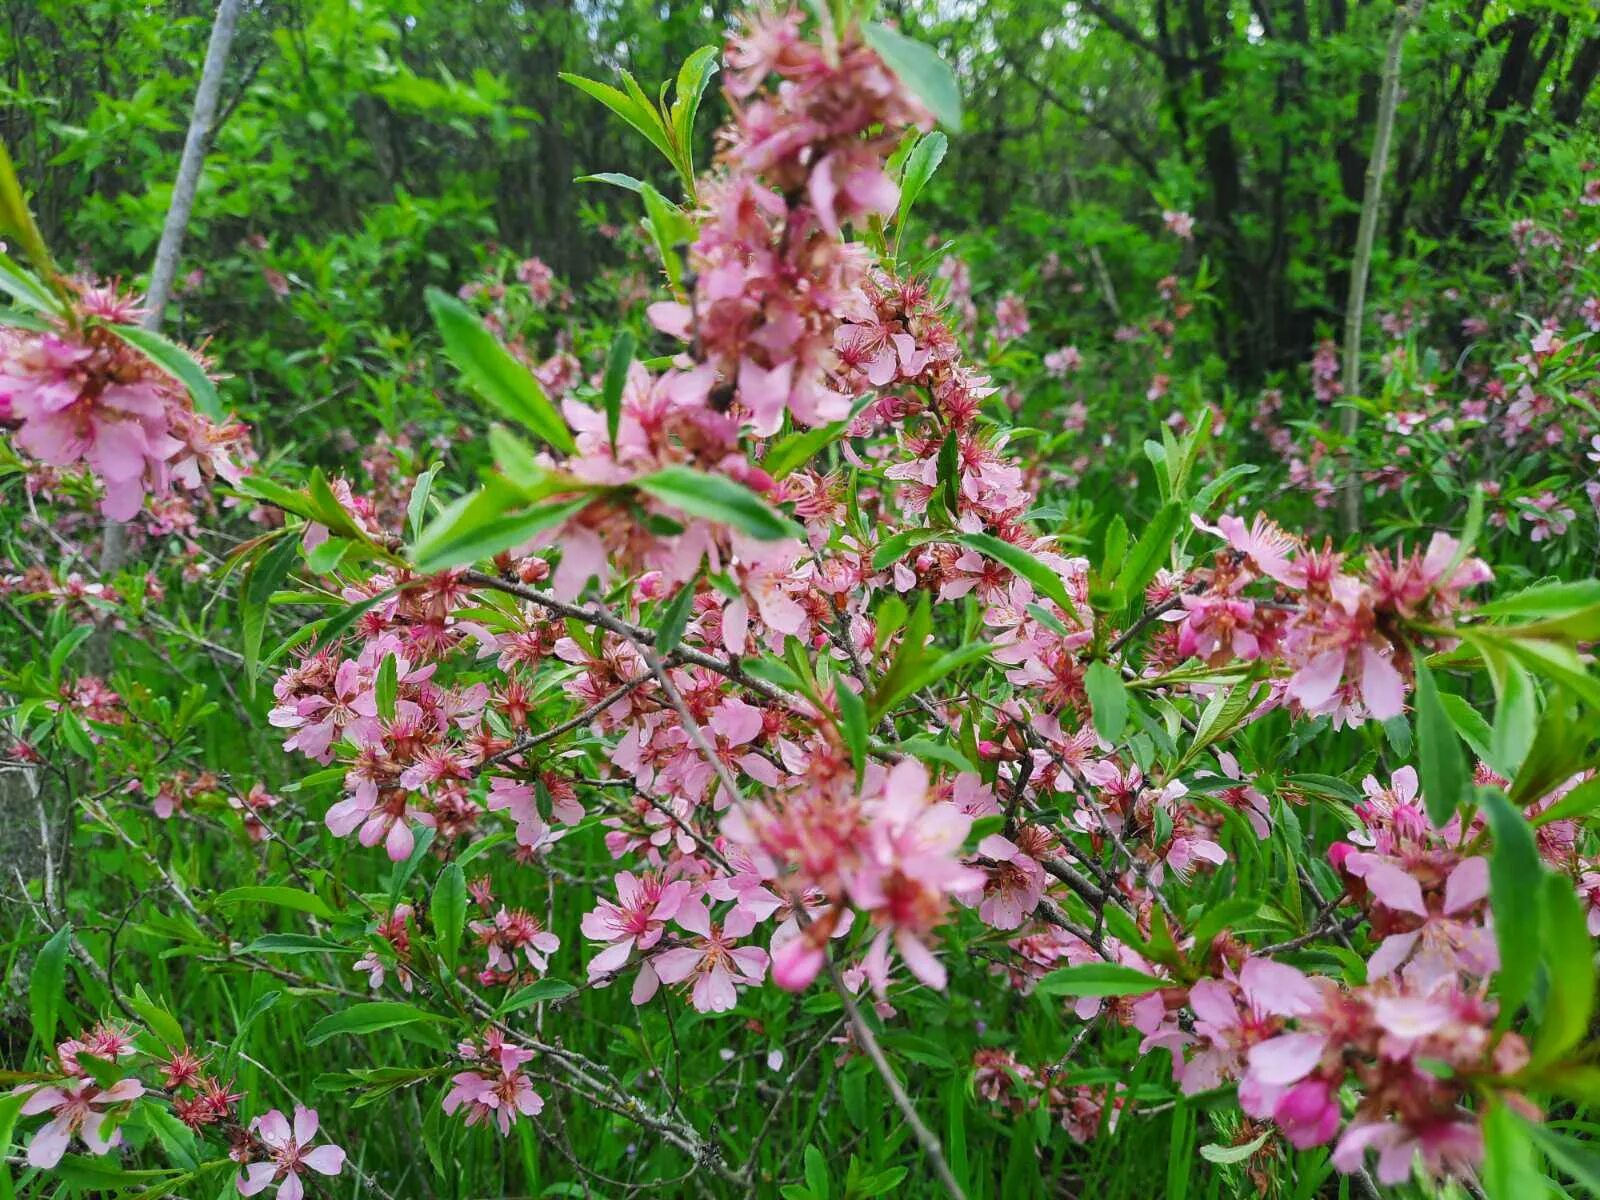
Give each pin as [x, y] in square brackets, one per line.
[773, 712]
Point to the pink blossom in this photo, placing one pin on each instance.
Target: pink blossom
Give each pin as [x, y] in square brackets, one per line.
[717, 966]
[288, 1154]
[498, 1091]
[78, 1106]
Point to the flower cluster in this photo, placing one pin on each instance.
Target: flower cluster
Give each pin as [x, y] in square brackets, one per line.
[78, 393]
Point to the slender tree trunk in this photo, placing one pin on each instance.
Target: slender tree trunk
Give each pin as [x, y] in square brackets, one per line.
[1361, 259]
[169, 249]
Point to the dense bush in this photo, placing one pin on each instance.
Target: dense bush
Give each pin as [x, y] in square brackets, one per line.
[921, 644]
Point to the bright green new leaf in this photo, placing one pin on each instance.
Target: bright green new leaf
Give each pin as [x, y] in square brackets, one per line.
[718, 498]
[508, 385]
[920, 69]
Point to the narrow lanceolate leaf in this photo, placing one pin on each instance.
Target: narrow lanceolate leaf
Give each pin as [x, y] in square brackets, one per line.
[675, 618]
[1569, 963]
[1141, 563]
[46, 985]
[924, 160]
[1441, 762]
[483, 524]
[385, 687]
[508, 385]
[448, 911]
[16, 221]
[1510, 1171]
[276, 897]
[538, 992]
[417, 506]
[920, 69]
[1514, 895]
[265, 575]
[616, 378]
[367, 1018]
[1098, 979]
[177, 362]
[852, 723]
[1108, 699]
[693, 77]
[1043, 578]
[790, 453]
[950, 474]
[632, 106]
[24, 287]
[718, 498]
[295, 943]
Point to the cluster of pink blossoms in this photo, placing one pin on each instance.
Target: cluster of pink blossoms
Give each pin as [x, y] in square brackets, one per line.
[80, 394]
[801, 162]
[1293, 1041]
[82, 1106]
[749, 841]
[1339, 634]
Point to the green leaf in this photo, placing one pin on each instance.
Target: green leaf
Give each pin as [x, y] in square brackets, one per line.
[852, 723]
[1148, 554]
[1441, 763]
[259, 487]
[912, 674]
[924, 160]
[24, 287]
[1516, 712]
[920, 69]
[161, 1022]
[816, 1173]
[448, 911]
[278, 897]
[1569, 960]
[176, 1138]
[385, 687]
[1573, 1157]
[1544, 600]
[1469, 723]
[929, 750]
[538, 992]
[632, 106]
[508, 386]
[675, 617]
[718, 498]
[46, 985]
[617, 363]
[1509, 1169]
[265, 575]
[1043, 578]
[1514, 874]
[417, 506]
[480, 526]
[1215, 1153]
[949, 467]
[1578, 803]
[16, 222]
[669, 228]
[1108, 699]
[895, 547]
[615, 179]
[295, 943]
[370, 1017]
[177, 362]
[792, 452]
[693, 77]
[1099, 979]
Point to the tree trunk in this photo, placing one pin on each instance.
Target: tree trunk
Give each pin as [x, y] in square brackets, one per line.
[1361, 260]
